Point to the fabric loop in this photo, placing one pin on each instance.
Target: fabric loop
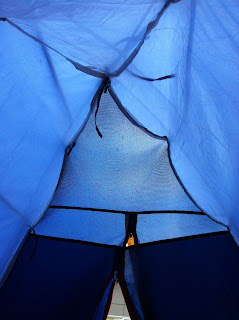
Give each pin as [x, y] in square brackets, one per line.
[156, 79]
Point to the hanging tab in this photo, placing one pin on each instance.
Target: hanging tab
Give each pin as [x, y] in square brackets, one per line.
[96, 111]
[156, 79]
[105, 87]
[159, 79]
[130, 241]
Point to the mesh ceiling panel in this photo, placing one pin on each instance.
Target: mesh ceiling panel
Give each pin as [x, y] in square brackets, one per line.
[125, 170]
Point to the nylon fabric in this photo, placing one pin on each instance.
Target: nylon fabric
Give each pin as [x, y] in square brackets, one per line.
[99, 35]
[197, 109]
[101, 308]
[58, 281]
[155, 227]
[99, 227]
[12, 234]
[187, 279]
[44, 102]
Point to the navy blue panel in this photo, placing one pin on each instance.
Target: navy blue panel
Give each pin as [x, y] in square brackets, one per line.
[63, 280]
[187, 279]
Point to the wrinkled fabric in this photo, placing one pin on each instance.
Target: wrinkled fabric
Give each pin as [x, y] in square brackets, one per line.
[44, 102]
[97, 34]
[197, 110]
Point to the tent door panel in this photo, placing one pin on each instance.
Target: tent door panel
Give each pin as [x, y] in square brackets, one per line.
[55, 279]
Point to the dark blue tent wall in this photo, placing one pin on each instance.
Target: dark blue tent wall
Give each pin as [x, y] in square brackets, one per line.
[55, 279]
[186, 278]
[192, 278]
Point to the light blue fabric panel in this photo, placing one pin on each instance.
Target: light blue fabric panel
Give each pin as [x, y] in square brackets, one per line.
[155, 227]
[198, 41]
[98, 34]
[99, 227]
[44, 100]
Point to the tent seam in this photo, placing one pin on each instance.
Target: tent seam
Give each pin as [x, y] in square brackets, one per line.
[77, 65]
[179, 239]
[151, 25]
[127, 211]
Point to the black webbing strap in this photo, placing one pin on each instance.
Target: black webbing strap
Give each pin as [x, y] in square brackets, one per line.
[131, 226]
[153, 79]
[106, 85]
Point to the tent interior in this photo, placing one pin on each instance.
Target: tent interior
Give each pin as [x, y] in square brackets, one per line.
[111, 188]
[95, 191]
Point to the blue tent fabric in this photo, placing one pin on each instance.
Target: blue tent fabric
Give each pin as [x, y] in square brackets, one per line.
[172, 280]
[99, 313]
[192, 278]
[56, 57]
[155, 227]
[103, 44]
[85, 225]
[197, 109]
[43, 105]
[126, 171]
[46, 281]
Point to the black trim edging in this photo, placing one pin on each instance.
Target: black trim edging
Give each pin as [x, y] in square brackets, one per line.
[127, 212]
[77, 65]
[179, 239]
[73, 241]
